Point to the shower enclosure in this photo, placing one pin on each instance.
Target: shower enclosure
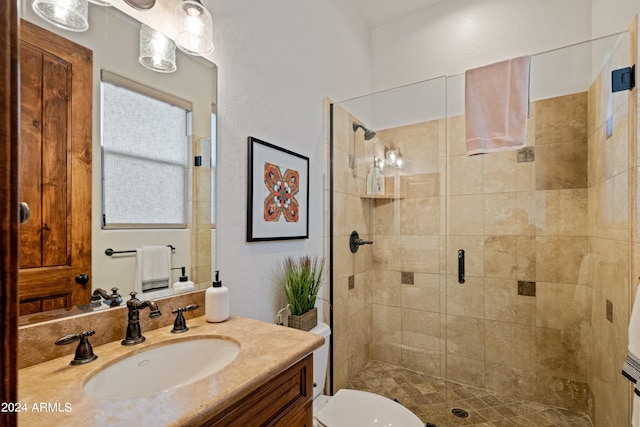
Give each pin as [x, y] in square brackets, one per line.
[512, 271]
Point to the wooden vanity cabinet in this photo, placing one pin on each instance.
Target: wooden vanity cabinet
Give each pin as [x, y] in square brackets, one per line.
[283, 401]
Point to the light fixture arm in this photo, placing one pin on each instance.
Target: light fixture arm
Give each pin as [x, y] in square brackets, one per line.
[141, 4]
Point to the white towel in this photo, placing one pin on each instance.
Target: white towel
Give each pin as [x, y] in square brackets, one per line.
[631, 367]
[153, 268]
[497, 106]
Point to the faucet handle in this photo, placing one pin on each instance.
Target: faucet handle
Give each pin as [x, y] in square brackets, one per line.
[190, 307]
[115, 299]
[84, 351]
[180, 325]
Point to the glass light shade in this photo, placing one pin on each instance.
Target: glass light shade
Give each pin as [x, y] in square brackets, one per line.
[195, 28]
[72, 15]
[393, 157]
[157, 51]
[101, 2]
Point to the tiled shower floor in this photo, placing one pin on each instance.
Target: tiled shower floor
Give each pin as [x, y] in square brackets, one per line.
[431, 399]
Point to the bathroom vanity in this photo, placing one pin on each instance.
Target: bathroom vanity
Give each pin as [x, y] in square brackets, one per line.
[268, 383]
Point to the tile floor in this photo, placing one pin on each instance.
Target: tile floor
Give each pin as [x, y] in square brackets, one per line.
[431, 399]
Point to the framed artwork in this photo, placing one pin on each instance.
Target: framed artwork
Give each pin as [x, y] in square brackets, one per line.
[277, 193]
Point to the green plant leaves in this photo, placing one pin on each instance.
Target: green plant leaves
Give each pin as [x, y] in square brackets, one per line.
[300, 278]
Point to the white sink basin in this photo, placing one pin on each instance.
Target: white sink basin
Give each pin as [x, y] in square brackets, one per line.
[162, 368]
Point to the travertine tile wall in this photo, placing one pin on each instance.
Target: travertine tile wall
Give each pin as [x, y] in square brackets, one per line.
[612, 222]
[351, 307]
[200, 198]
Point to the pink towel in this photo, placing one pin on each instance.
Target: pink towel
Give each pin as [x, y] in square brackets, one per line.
[497, 106]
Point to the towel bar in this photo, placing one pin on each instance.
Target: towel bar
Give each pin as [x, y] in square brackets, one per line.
[109, 251]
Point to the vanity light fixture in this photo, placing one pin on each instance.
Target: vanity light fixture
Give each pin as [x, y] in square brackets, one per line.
[157, 51]
[71, 15]
[140, 4]
[195, 28]
[105, 3]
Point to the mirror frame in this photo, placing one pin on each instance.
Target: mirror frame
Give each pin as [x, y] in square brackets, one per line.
[9, 131]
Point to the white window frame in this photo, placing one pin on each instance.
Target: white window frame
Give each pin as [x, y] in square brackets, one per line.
[114, 79]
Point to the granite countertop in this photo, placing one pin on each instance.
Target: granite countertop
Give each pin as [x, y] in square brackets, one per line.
[51, 393]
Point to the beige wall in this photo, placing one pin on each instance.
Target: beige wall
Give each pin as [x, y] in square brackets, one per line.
[351, 307]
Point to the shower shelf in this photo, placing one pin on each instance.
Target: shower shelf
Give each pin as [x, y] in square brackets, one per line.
[381, 196]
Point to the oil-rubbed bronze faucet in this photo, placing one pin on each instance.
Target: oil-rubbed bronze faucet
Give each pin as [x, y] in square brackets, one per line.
[134, 335]
[84, 351]
[112, 300]
[180, 325]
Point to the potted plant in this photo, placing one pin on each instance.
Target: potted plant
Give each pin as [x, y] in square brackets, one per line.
[301, 278]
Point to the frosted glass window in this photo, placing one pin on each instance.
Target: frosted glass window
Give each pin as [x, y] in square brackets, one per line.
[144, 156]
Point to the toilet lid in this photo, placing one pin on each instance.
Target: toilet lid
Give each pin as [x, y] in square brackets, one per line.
[355, 408]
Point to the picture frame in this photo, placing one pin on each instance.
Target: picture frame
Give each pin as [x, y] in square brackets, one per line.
[277, 193]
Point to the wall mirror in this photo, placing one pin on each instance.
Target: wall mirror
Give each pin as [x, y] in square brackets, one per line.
[113, 43]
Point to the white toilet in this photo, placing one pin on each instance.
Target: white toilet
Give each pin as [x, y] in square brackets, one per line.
[352, 408]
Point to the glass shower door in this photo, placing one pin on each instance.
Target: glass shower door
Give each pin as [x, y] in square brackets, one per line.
[519, 267]
[388, 297]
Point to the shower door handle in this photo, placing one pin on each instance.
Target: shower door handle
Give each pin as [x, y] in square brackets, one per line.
[460, 266]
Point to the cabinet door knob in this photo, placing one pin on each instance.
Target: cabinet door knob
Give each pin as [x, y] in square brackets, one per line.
[82, 279]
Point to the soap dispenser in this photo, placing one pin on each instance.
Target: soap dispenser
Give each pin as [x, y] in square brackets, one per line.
[370, 178]
[216, 305]
[184, 284]
[377, 179]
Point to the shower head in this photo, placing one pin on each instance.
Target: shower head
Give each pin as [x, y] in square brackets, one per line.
[368, 133]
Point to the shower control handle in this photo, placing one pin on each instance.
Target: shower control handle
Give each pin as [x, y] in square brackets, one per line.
[355, 242]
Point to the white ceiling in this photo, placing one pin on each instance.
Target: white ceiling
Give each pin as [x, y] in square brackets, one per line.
[378, 12]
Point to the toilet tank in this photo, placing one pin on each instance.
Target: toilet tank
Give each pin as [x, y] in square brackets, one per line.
[320, 358]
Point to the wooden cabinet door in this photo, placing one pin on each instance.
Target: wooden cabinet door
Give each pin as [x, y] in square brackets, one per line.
[286, 400]
[55, 170]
